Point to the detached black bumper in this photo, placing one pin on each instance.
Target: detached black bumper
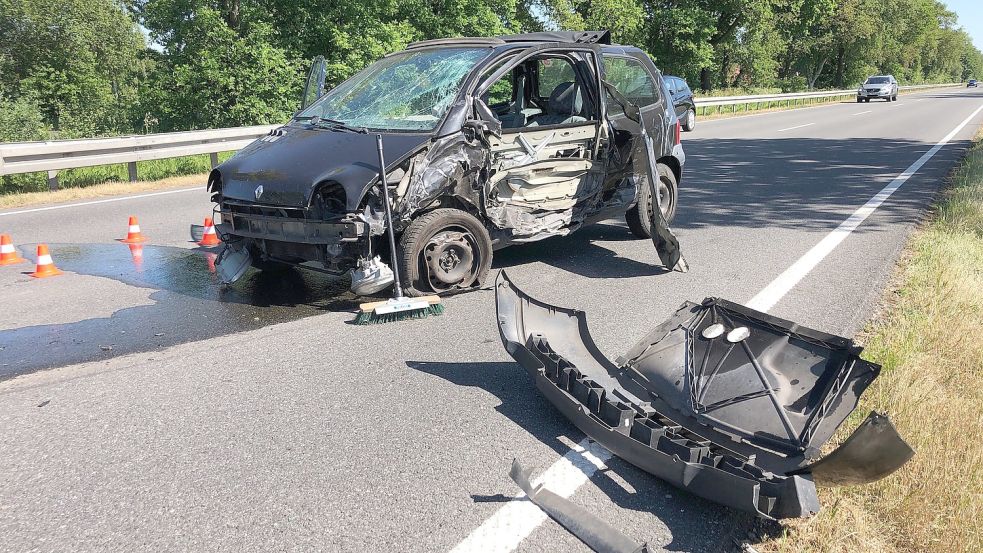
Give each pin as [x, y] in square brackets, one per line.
[719, 400]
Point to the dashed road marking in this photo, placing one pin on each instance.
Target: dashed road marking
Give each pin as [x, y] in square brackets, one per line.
[863, 112]
[795, 127]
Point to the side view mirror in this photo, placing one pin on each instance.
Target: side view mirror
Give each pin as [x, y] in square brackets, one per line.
[486, 121]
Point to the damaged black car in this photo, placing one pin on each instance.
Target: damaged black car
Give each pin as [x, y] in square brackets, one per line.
[490, 142]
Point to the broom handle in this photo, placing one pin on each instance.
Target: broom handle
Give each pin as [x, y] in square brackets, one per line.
[397, 286]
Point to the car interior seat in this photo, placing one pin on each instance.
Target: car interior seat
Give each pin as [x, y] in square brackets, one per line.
[566, 104]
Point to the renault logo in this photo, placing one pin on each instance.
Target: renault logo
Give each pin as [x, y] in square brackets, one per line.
[259, 191]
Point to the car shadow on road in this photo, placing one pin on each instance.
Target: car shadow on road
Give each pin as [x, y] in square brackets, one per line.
[581, 253]
[804, 183]
[625, 485]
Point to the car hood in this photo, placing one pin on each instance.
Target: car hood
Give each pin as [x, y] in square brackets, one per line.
[291, 161]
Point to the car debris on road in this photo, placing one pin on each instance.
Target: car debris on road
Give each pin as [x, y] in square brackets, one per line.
[726, 402]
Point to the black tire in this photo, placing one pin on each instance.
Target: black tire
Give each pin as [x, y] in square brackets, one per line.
[859, 100]
[442, 251]
[641, 226]
[690, 122]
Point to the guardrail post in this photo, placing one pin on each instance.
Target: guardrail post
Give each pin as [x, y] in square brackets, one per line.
[52, 180]
[131, 168]
[213, 157]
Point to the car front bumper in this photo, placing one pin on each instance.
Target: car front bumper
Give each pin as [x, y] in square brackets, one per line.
[878, 94]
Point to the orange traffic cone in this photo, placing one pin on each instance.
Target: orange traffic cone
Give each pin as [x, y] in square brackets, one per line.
[210, 237]
[8, 255]
[210, 259]
[133, 235]
[136, 250]
[45, 267]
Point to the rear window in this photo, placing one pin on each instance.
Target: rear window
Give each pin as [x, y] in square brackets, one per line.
[632, 80]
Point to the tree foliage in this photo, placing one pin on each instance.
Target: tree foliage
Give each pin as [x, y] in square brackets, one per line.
[83, 68]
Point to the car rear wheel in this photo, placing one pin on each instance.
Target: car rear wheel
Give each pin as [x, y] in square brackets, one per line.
[444, 250]
[689, 123]
[641, 225]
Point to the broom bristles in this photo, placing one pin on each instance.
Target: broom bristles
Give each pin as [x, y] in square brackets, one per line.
[371, 317]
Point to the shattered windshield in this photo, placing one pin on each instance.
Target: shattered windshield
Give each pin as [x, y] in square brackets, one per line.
[877, 80]
[409, 91]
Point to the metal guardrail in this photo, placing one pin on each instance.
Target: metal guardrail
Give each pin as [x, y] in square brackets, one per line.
[793, 98]
[55, 155]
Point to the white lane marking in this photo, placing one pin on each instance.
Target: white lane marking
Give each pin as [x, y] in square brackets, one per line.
[106, 201]
[795, 127]
[767, 298]
[863, 112]
[514, 521]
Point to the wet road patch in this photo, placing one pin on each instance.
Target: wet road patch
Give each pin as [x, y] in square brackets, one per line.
[186, 303]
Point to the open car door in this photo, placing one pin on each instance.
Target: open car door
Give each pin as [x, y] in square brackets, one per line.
[633, 156]
[314, 87]
[546, 169]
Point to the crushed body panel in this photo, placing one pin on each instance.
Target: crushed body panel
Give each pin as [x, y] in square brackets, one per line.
[623, 409]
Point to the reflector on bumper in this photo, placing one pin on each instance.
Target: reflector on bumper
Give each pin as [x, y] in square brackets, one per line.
[734, 416]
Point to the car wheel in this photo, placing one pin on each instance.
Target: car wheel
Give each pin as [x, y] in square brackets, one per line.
[639, 217]
[860, 100]
[443, 250]
[690, 122]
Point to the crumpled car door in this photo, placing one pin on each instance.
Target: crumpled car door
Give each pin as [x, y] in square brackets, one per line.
[632, 154]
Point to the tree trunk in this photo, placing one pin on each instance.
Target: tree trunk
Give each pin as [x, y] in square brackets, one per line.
[724, 70]
[816, 73]
[230, 11]
[705, 83]
[840, 69]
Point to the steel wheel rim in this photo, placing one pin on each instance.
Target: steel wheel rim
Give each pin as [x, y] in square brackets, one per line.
[451, 259]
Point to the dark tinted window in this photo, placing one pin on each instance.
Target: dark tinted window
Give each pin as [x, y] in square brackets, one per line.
[632, 80]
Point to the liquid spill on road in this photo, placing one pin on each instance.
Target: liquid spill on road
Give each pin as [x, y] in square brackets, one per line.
[189, 304]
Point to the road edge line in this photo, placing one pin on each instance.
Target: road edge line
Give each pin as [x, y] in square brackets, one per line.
[507, 527]
[105, 201]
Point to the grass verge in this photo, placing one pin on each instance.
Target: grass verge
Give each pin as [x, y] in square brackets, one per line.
[928, 339]
[25, 199]
[34, 186]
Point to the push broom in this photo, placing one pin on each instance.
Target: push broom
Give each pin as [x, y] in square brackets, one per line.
[398, 307]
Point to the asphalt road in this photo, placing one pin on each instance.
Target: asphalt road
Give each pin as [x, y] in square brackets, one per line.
[142, 407]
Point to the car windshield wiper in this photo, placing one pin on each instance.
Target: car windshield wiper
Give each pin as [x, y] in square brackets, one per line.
[334, 124]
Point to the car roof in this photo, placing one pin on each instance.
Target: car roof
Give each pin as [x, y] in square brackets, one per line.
[559, 37]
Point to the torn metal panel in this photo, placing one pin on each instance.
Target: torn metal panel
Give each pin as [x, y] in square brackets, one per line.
[729, 421]
[448, 168]
[592, 530]
[873, 451]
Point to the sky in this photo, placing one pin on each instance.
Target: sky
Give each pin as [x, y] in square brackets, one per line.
[970, 14]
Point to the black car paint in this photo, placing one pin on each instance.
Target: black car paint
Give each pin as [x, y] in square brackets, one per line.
[294, 160]
[682, 95]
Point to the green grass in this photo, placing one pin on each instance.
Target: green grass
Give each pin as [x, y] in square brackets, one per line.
[927, 337]
[87, 176]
